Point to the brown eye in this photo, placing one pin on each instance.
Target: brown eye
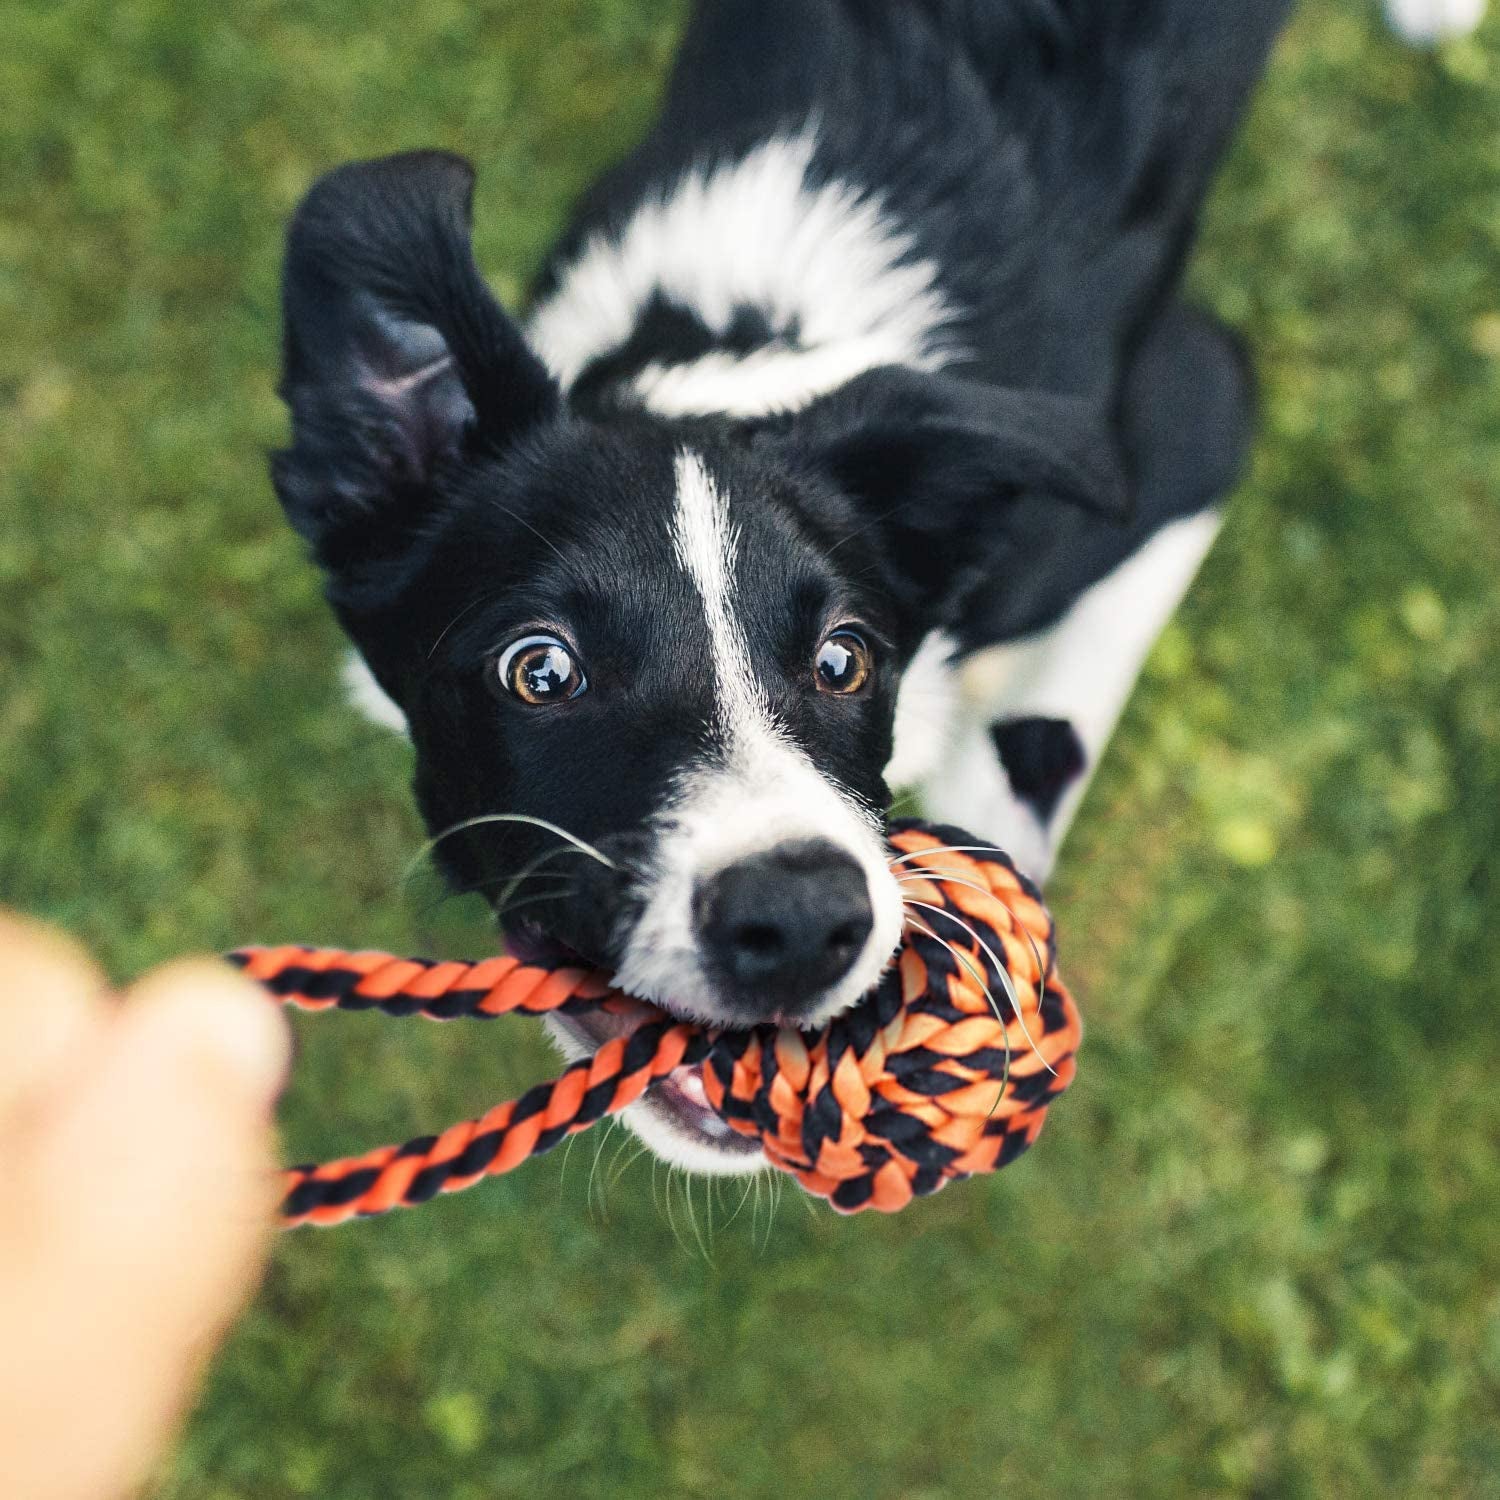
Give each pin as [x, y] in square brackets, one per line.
[539, 669]
[844, 663]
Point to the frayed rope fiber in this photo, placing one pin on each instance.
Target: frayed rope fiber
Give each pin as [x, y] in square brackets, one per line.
[944, 1069]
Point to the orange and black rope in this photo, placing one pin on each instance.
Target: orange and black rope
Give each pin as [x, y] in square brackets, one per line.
[945, 1069]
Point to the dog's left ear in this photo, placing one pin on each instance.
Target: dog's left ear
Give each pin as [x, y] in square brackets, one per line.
[948, 473]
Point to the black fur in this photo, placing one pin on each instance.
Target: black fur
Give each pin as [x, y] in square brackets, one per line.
[1049, 156]
[1042, 759]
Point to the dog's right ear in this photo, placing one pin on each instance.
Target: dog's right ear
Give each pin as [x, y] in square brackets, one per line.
[952, 475]
[397, 358]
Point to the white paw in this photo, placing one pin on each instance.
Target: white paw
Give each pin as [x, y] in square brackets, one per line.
[1425, 22]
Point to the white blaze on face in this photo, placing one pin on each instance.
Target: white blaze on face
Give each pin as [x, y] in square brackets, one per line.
[759, 791]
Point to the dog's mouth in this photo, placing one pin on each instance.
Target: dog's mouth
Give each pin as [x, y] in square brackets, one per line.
[674, 1117]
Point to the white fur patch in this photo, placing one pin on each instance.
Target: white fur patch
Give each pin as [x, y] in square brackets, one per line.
[764, 382]
[763, 792]
[369, 698]
[926, 713]
[1082, 670]
[824, 261]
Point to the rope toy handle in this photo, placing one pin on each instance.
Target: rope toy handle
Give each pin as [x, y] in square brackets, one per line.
[945, 1069]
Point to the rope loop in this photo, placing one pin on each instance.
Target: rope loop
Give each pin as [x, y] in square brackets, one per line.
[945, 1069]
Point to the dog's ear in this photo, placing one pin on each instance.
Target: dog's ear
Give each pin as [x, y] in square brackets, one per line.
[397, 358]
[947, 474]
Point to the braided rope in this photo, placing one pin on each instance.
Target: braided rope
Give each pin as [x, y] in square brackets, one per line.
[945, 1069]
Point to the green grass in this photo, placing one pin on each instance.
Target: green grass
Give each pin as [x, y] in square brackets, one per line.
[1258, 1249]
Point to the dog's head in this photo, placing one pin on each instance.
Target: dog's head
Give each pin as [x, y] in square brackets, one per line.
[650, 670]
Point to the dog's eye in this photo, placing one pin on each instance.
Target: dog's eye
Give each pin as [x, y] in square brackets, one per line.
[539, 669]
[844, 663]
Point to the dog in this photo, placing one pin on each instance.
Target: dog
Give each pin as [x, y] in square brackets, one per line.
[859, 437]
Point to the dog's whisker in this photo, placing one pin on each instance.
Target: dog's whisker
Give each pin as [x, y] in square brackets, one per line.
[466, 610]
[936, 879]
[514, 882]
[692, 1215]
[968, 963]
[1036, 953]
[1000, 969]
[521, 905]
[611, 1175]
[739, 1207]
[627, 1164]
[666, 1202]
[957, 953]
[773, 1206]
[489, 882]
[963, 958]
[562, 1175]
[522, 521]
[1006, 982]
[499, 908]
[559, 886]
[603, 1139]
[763, 1203]
[501, 902]
[553, 885]
[1005, 979]
[672, 1173]
[505, 903]
[806, 1200]
[942, 849]
[484, 819]
[614, 1171]
[860, 531]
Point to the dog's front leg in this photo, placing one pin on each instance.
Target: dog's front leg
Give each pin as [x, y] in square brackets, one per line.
[1033, 717]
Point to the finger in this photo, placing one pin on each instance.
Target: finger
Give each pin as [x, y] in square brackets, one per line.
[178, 1127]
[157, 1186]
[231, 1029]
[51, 996]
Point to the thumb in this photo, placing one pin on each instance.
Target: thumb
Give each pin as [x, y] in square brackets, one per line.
[155, 1187]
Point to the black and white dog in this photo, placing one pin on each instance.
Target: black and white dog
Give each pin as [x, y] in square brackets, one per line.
[858, 437]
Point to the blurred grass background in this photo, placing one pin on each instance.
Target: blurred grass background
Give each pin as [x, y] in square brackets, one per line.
[1258, 1249]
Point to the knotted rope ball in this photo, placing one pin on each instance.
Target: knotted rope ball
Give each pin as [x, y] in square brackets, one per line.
[944, 1069]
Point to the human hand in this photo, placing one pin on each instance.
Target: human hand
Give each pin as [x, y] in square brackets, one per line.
[137, 1189]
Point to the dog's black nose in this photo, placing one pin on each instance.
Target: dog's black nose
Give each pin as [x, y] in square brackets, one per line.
[779, 928]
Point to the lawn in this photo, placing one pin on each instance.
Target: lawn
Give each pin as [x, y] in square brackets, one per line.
[1257, 1251]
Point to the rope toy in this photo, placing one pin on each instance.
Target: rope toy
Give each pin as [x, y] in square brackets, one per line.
[944, 1069]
